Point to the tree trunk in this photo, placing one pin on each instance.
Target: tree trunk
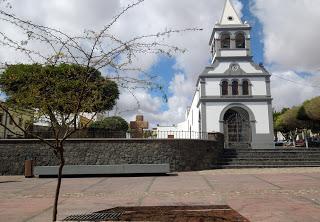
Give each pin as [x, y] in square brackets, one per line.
[305, 132]
[56, 198]
[293, 135]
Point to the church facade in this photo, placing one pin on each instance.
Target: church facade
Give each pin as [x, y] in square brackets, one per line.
[233, 93]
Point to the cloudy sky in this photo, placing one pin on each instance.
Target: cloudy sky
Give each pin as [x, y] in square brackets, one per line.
[285, 38]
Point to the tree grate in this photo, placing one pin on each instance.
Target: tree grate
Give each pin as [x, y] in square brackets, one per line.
[94, 217]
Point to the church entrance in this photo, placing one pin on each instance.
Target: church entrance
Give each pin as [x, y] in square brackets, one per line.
[237, 129]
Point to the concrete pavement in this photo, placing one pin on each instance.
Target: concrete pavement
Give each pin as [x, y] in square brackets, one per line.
[258, 194]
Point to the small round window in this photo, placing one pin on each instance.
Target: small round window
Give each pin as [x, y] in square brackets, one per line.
[230, 18]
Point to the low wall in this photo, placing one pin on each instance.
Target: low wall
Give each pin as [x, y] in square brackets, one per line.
[183, 155]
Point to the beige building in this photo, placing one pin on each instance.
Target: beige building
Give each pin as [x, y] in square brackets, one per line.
[7, 127]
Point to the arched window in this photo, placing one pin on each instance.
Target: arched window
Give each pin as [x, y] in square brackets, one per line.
[225, 41]
[224, 86]
[235, 86]
[240, 41]
[245, 87]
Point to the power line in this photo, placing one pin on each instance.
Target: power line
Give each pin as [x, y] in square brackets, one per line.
[295, 82]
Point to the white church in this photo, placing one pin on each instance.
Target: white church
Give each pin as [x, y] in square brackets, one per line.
[233, 94]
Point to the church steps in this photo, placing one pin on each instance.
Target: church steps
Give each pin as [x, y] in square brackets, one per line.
[317, 158]
[273, 154]
[271, 162]
[279, 156]
[261, 166]
[311, 152]
[249, 158]
[271, 150]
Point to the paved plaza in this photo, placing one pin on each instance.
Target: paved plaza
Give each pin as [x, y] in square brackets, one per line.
[259, 194]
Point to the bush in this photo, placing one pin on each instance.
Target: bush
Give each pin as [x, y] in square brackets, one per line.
[114, 123]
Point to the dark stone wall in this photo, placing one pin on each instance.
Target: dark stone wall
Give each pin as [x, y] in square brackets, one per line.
[183, 155]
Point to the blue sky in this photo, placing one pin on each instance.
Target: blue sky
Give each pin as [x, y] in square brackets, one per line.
[256, 33]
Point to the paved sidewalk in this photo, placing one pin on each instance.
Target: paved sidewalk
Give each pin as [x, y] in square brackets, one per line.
[259, 194]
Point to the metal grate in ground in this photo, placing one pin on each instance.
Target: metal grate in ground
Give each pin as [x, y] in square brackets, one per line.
[220, 213]
[94, 217]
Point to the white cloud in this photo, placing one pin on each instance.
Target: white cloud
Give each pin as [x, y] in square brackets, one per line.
[152, 16]
[290, 32]
[71, 16]
[179, 86]
[289, 88]
[179, 14]
[290, 37]
[137, 101]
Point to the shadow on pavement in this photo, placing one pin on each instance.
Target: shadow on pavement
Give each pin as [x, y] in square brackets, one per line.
[114, 175]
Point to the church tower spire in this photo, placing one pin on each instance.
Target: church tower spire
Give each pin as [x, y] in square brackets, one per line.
[230, 37]
[229, 15]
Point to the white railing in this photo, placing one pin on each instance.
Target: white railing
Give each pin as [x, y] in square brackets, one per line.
[178, 135]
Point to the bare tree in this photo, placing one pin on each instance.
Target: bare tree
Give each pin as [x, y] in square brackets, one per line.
[92, 50]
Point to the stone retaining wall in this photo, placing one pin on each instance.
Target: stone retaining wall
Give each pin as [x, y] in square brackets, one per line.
[183, 155]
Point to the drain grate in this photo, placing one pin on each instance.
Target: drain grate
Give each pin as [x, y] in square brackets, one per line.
[94, 217]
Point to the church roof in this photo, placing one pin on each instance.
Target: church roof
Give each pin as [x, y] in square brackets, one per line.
[230, 16]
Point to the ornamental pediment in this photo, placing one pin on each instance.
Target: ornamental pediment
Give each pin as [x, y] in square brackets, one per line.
[234, 68]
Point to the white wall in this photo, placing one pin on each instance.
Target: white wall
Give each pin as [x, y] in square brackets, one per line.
[245, 66]
[213, 86]
[193, 116]
[221, 68]
[230, 52]
[162, 132]
[178, 132]
[259, 109]
[248, 67]
[166, 128]
[213, 111]
[259, 87]
[182, 126]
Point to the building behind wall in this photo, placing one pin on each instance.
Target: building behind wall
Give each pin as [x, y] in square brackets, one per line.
[232, 94]
[8, 129]
[138, 126]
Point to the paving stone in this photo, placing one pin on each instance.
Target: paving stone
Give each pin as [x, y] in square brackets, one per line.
[291, 194]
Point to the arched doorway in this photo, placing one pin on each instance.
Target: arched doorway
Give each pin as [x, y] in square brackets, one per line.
[237, 129]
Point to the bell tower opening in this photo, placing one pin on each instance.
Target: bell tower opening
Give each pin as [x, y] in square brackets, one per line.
[225, 41]
[240, 41]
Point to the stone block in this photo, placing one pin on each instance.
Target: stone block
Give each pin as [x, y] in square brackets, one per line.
[139, 118]
[103, 169]
[133, 125]
[139, 125]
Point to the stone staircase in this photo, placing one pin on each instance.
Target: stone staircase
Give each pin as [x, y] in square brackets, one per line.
[264, 158]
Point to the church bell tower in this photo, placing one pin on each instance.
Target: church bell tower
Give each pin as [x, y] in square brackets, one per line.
[230, 36]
